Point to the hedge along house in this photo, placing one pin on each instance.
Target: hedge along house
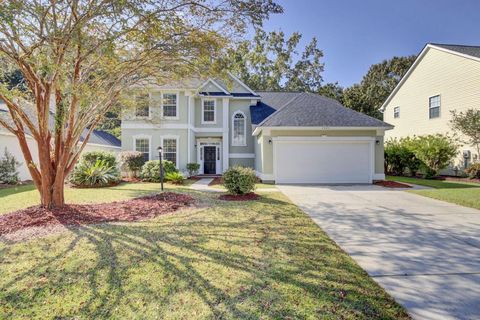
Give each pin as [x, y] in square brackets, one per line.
[99, 141]
[287, 137]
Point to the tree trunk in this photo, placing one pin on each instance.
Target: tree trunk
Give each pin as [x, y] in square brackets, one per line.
[52, 195]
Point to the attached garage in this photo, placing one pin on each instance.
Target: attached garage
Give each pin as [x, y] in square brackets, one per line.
[326, 160]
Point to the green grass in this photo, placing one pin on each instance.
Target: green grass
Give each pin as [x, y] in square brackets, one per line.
[20, 197]
[225, 260]
[462, 193]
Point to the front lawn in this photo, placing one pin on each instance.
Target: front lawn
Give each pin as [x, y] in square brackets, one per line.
[462, 193]
[20, 197]
[230, 260]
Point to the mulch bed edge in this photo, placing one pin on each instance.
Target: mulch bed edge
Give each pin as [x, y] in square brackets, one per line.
[137, 209]
[391, 184]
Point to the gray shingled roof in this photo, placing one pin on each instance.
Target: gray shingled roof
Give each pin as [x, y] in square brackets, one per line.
[97, 136]
[473, 51]
[312, 110]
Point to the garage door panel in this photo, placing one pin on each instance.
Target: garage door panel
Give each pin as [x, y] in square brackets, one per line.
[323, 161]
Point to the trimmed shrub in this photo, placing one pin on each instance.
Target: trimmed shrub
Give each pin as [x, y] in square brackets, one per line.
[99, 174]
[8, 168]
[91, 157]
[174, 177]
[151, 170]
[239, 180]
[131, 160]
[473, 171]
[193, 168]
[435, 151]
[399, 157]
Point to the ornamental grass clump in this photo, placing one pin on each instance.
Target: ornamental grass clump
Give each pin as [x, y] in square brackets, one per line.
[239, 180]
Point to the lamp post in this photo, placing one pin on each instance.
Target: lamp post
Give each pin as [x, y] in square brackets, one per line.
[161, 166]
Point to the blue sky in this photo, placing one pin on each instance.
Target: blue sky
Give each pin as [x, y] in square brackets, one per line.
[354, 34]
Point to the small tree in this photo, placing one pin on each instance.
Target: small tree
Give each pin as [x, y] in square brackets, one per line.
[435, 151]
[8, 168]
[468, 123]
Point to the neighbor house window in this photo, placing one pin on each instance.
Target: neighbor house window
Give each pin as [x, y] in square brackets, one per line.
[208, 111]
[239, 129]
[143, 145]
[142, 106]
[169, 105]
[170, 150]
[396, 112]
[434, 107]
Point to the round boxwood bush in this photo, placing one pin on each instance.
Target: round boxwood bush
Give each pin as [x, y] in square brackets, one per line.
[131, 160]
[151, 170]
[239, 180]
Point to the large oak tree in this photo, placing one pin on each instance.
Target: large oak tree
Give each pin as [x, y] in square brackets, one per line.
[77, 58]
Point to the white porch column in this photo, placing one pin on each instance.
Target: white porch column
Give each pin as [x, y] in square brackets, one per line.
[191, 125]
[225, 139]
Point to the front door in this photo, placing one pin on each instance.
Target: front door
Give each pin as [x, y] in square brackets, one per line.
[210, 159]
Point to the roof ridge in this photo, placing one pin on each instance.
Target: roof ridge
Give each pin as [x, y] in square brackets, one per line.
[455, 45]
[280, 108]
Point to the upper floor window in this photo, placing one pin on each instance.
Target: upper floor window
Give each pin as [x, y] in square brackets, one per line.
[169, 105]
[208, 111]
[170, 149]
[239, 129]
[142, 106]
[434, 107]
[396, 112]
[143, 145]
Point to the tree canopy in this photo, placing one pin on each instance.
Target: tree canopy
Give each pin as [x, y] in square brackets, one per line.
[78, 58]
[272, 62]
[375, 87]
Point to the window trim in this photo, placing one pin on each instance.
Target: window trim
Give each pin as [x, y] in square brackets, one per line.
[395, 113]
[149, 105]
[176, 105]
[143, 136]
[172, 137]
[439, 106]
[234, 144]
[214, 111]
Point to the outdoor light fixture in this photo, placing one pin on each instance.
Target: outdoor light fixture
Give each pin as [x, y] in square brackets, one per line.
[269, 141]
[159, 149]
[377, 142]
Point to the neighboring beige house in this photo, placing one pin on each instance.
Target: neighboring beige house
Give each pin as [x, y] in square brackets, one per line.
[442, 79]
[287, 137]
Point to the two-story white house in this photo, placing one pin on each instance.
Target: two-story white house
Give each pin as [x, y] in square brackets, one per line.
[285, 136]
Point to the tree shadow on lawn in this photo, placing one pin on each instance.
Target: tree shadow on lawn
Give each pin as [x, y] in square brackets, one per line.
[231, 260]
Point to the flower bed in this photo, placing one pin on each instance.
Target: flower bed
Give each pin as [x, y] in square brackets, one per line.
[131, 210]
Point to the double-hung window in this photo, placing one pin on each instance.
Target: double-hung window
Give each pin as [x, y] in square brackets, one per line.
[208, 111]
[142, 106]
[170, 150]
[143, 145]
[396, 112]
[239, 129]
[169, 105]
[434, 107]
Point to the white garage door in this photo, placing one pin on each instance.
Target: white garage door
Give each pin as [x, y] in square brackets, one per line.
[323, 159]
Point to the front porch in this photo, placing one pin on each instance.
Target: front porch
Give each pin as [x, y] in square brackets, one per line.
[209, 155]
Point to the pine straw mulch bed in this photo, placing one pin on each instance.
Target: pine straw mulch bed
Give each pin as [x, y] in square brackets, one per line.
[142, 208]
[216, 181]
[239, 197]
[391, 184]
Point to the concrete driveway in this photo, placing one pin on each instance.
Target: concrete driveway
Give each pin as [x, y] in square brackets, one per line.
[424, 252]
